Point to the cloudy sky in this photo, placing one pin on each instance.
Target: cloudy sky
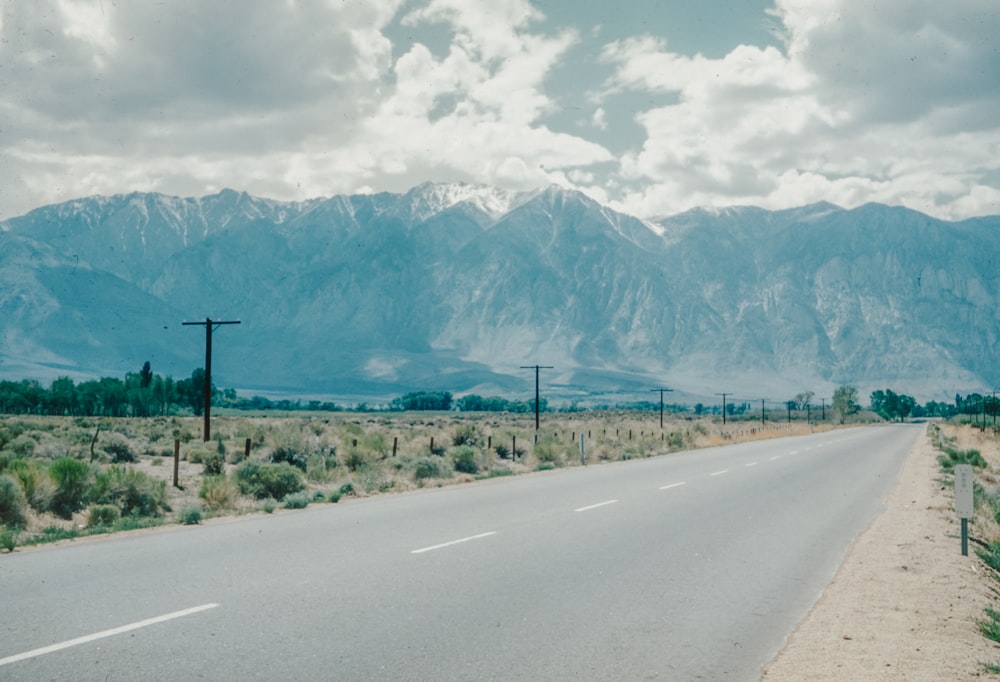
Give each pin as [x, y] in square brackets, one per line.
[654, 106]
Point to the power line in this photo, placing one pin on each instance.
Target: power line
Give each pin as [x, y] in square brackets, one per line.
[210, 326]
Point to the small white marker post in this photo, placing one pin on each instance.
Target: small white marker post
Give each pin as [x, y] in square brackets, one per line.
[964, 503]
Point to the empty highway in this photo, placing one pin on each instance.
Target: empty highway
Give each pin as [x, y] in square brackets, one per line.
[690, 566]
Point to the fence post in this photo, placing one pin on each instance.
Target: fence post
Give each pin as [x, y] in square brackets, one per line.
[395, 442]
[246, 449]
[177, 459]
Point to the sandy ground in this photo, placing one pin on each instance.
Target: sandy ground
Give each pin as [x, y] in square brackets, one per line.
[905, 603]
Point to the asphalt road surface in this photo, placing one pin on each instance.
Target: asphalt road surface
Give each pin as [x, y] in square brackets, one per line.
[685, 567]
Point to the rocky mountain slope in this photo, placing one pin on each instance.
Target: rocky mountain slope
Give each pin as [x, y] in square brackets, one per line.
[454, 287]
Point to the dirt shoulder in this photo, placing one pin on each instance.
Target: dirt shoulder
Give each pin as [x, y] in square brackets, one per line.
[904, 604]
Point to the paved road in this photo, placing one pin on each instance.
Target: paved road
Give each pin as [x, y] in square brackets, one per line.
[686, 567]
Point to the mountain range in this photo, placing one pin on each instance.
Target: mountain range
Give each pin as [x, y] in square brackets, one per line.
[458, 287]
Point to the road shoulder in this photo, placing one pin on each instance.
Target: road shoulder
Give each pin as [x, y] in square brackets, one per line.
[904, 604]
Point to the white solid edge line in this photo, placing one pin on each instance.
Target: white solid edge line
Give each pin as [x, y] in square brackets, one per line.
[453, 542]
[719, 473]
[595, 506]
[105, 633]
[672, 485]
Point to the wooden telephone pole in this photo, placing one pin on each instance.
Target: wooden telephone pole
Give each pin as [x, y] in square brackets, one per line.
[537, 368]
[662, 391]
[210, 325]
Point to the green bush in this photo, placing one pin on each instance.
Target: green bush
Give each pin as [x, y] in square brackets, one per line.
[103, 515]
[13, 503]
[72, 478]
[288, 455]
[347, 489]
[427, 467]
[8, 538]
[548, 453]
[296, 501]
[22, 446]
[464, 460]
[119, 451]
[214, 463]
[466, 434]
[316, 468]
[355, 459]
[198, 455]
[268, 505]
[333, 496]
[263, 480]
[951, 457]
[37, 486]
[133, 492]
[190, 515]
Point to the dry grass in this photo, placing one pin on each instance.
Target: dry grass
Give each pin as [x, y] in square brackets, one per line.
[364, 453]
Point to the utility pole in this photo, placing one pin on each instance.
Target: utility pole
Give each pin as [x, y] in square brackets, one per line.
[662, 391]
[824, 408]
[723, 407]
[537, 368]
[210, 325]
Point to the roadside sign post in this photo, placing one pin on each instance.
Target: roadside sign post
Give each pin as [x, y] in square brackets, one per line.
[964, 502]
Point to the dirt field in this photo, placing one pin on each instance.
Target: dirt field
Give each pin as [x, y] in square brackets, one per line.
[905, 603]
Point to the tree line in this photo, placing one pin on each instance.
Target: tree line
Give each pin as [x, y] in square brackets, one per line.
[145, 393]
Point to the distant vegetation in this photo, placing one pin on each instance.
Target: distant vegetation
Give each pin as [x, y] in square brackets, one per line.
[146, 394]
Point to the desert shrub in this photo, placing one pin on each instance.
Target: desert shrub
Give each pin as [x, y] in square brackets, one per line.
[267, 479]
[352, 429]
[214, 463]
[503, 452]
[333, 496]
[316, 467]
[22, 446]
[72, 478]
[133, 492]
[291, 456]
[347, 489]
[8, 538]
[13, 503]
[118, 450]
[219, 492]
[103, 515]
[427, 467]
[198, 455]
[190, 515]
[676, 440]
[296, 501]
[355, 459]
[268, 505]
[548, 454]
[466, 434]
[464, 460]
[376, 443]
[438, 450]
[37, 486]
[319, 496]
